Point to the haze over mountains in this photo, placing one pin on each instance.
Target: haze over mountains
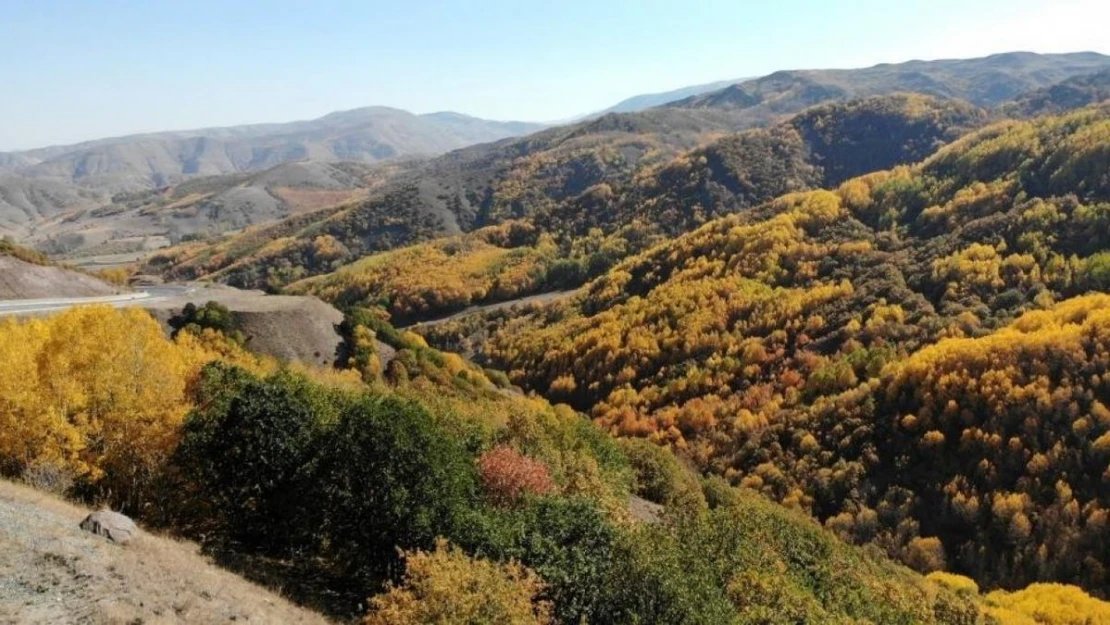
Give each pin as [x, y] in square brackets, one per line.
[648, 100]
[72, 198]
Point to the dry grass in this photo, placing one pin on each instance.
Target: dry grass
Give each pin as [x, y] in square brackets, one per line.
[310, 200]
[52, 572]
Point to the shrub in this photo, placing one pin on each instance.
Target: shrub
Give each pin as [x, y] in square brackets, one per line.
[250, 449]
[660, 477]
[389, 477]
[446, 586]
[1050, 604]
[925, 554]
[507, 475]
[569, 542]
[211, 316]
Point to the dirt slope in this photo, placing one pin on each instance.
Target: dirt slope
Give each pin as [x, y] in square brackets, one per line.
[286, 327]
[21, 280]
[53, 572]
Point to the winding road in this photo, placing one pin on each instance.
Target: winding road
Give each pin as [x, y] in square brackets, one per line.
[143, 297]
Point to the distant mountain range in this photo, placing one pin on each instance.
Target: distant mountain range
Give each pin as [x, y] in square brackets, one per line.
[365, 135]
[65, 199]
[650, 100]
[987, 82]
[37, 184]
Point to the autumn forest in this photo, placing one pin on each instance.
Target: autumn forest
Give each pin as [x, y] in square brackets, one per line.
[848, 363]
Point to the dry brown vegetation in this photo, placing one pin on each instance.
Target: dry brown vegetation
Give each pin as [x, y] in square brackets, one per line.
[308, 200]
[53, 572]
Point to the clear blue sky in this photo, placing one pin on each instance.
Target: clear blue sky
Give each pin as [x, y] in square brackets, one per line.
[81, 69]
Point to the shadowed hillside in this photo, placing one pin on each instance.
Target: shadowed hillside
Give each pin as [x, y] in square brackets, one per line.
[606, 174]
[1070, 94]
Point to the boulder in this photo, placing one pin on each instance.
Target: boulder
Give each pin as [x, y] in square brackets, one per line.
[111, 525]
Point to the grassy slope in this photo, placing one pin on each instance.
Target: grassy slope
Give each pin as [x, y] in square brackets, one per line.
[53, 572]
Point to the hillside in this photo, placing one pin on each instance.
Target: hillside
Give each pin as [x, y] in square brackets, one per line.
[910, 357]
[48, 182]
[1067, 95]
[986, 82]
[54, 572]
[587, 234]
[138, 222]
[457, 192]
[117, 198]
[648, 100]
[25, 274]
[565, 184]
[421, 484]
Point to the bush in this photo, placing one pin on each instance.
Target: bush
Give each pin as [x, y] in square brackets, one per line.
[250, 449]
[507, 475]
[660, 477]
[658, 578]
[389, 477]
[211, 316]
[446, 586]
[925, 555]
[569, 542]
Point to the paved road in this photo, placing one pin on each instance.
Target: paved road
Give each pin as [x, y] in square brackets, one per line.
[141, 297]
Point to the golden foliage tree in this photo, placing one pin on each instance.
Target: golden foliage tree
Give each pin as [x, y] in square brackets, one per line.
[446, 587]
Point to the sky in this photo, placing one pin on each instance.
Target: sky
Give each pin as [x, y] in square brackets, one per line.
[74, 70]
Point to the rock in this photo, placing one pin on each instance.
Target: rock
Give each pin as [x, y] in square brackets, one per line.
[111, 525]
[644, 511]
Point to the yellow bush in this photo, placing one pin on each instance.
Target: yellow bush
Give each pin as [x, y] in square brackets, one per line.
[958, 583]
[446, 586]
[1047, 604]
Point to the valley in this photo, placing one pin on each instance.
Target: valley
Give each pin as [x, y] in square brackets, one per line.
[821, 346]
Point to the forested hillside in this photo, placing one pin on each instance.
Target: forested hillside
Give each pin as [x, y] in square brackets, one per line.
[910, 357]
[1070, 94]
[504, 508]
[589, 173]
[458, 192]
[562, 239]
[880, 321]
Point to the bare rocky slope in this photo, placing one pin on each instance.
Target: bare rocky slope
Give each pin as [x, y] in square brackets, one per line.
[23, 280]
[290, 328]
[53, 572]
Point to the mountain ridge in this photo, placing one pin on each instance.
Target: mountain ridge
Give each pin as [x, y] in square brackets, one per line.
[984, 81]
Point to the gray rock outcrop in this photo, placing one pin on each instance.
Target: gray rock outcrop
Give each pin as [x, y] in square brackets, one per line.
[111, 525]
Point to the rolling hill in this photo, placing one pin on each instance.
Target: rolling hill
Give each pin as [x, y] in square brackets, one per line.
[44, 183]
[582, 236]
[607, 174]
[136, 222]
[986, 82]
[107, 200]
[1067, 95]
[916, 357]
[649, 100]
[554, 176]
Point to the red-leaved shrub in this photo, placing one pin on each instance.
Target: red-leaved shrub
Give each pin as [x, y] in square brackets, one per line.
[508, 474]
